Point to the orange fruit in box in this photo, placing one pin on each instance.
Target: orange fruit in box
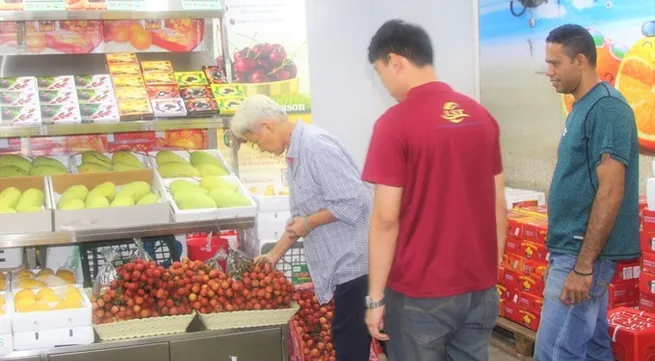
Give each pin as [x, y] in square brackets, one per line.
[636, 81]
[141, 39]
[120, 34]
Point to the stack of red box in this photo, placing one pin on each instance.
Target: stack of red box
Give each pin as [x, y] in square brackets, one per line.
[521, 284]
[647, 281]
[633, 334]
[624, 288]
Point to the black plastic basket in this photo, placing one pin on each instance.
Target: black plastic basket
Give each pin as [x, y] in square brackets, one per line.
[164, 250]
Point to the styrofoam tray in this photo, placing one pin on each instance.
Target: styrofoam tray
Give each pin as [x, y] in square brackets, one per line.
[210, 214]
[76, 160]
[6, 344]
[17, 223]
[55, 319]
[5, 319]
[186, 155]
[68, 336]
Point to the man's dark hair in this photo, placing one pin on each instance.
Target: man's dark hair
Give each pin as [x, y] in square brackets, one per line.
[407, 40]
[575, 40]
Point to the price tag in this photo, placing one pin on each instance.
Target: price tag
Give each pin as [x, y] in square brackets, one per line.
[126, 5]
[44, 5]
[201, 4]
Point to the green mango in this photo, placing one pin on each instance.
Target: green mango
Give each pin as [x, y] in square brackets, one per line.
[150, 198]
[10, 171]
[92, 168]
[186, 199]
[15, 160]
[127, 158]
[71, 204]
[122, 201]
[91, 156]
[167, 156]
[106, 189]
[33, 209]
[200, 157]
[9, 197]
[47, 170]
[214, 182]
[97, 201]
[181, 184]
[30, 198]
[6, 210]
[121, 167]
[178, 170]
[210, 169]
[135, 190]
[226, 198]
[76, 192]
[39, 161]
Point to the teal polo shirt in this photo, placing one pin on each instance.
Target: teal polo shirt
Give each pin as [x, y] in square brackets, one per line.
[600, 123]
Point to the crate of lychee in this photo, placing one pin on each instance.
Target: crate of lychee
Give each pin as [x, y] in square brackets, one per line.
[247, 295]
[108, 200]
[51, 316]
[24, 208]
[142, 299]
[201, 187]
[97, 162]
[39, 278]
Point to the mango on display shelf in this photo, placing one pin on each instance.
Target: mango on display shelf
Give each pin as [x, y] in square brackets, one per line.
[97, 162]
[27, 279]
[211, 192]
[12, 200]
[13, 165]
[106, 195]
[199, 164]
[48, 299]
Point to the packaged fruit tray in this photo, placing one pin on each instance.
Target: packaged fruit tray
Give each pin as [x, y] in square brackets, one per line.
[139, 328]
[14, 165]
[195, 163]
[96, 162]
[6, 310]
[38, 278]
[248, 319]
[212, 188]
[50, 308]
[24, 208]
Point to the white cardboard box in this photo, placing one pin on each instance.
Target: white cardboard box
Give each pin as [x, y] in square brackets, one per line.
[6, 345]
[54, 319]
[108, 218]
[271, 224]
[33, 222]
[272, 203]
[5, 318]
[191, 215]
[53, 338]
[515, 197]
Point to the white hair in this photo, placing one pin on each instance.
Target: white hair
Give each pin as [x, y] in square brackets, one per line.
[253, 110]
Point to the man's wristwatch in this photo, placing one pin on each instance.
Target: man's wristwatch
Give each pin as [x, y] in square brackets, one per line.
[370, 304]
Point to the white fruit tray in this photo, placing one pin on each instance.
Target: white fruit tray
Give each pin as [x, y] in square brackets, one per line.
[210, 214]
[187, 154]
[54, 319]
[5, 318]
[69, 336]
[17, 223]
[76, 160]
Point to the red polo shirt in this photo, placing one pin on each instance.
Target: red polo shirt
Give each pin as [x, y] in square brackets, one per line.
[443, 149]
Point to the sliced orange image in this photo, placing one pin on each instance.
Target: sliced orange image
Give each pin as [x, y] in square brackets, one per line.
[636, 81]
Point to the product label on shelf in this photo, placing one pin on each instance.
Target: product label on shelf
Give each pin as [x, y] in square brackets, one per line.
[126, 4]
[44, 5]
[300, 274]
[201, 4]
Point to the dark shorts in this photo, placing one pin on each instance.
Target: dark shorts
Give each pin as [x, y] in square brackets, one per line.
[456, 328]
[350, 336]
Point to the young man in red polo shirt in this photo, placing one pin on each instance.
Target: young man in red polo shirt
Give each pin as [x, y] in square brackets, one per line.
[439, 220]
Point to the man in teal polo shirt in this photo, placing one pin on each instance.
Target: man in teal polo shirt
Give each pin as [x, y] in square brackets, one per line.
[593, 203]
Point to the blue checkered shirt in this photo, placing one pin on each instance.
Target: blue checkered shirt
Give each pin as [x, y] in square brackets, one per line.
[322, 175]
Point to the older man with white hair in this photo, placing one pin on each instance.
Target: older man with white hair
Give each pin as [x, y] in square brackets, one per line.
[331, 208]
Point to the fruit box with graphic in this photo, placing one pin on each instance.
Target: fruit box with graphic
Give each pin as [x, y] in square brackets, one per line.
[534, 251]
[531, 303]
[529, 320]
[50, 309]
[6, 311]
[535, 231]
[533, 285]
[513, 246]
[33, 220]
[627, 271]
[647, 303]
[194, 213]
[511, 280]
[647, 284]
[648, 241]
[514, 263]
[647, 264]
[623, 293]
[119, 161]
[121, 215]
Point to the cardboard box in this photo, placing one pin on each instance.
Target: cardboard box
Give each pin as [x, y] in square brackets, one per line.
[6, 344]
[627, 271]
[648, 263]
[627, 292]
[5, 318]
[531, 303]
[647, 303]
[533, 285]
[529, 320]
[33, 222]
[536, 231]
[513, 246]
[647, 240]
[24, 341]
[648, 220]
[647, 284]
[272, 203]
[108, 218]
[271, 225]
[513, 263]
[54, 319]
[534, 268]
[534, 251]
[511, 280]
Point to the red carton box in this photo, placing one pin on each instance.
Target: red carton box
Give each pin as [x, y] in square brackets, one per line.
[624, 293]
[531, 303]
[647, 241]
[513, 263]
[511, 280]
[627, 271]
[513, 246]
[534, 268]
[535, 231]
[534, 251]
[533, 285]
[516, 224]
[529, 320]
[647, 303]
[648, 263]
[647, 284]
[512, 312]
[633, 334]
[648, 220]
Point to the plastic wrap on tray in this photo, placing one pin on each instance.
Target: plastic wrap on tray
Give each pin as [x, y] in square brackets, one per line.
[166, 108]
[56, 83]
[19, 98]
[106, 272]
[105, 112]
[60, 114]
[23, 83]
[98, 81]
